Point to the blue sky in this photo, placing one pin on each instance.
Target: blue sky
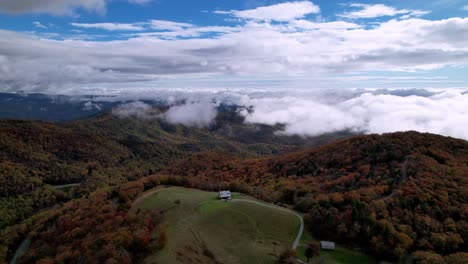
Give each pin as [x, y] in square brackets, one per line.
[198, 12]
[91, 45]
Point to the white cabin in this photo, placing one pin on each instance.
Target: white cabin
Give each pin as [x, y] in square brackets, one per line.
[225, 195]
[327, 245]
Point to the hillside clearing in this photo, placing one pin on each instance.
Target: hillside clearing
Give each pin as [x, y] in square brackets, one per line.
[202, 229]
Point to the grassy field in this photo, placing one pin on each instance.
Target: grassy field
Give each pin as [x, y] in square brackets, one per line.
[340, 255]
[202, 229]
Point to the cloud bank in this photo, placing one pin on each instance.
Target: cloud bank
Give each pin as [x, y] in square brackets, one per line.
[313, 113]
[444, 113]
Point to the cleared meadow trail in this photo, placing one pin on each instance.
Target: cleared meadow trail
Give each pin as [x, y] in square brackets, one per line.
[301, 227]
[301, 219]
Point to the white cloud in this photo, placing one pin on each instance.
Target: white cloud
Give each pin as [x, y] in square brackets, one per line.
[38, 24]
[134, 109]
[111, 26]
[380, 10]
[298, 48]
[199, 114]
[465, 8]
[279, 12]
[444, 113]
[315, 112]
[301, 116]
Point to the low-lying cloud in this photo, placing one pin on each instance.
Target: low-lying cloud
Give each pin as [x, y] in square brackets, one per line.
[134, 109]
[192, 114]
[317, 112]
[199, 114]
[444, 113]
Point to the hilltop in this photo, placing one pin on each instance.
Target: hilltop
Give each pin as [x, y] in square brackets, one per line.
[390, 194]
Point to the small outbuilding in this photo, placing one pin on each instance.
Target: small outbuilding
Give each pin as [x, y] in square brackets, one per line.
[327, 245]
[225, 195]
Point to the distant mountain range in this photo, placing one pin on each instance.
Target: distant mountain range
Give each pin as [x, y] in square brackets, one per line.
[48, 108]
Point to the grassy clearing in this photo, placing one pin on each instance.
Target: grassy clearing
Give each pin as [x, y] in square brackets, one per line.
[202, 229]
[340, 255]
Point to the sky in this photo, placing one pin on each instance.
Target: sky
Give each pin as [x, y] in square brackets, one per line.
[113, 46]
[315, 66]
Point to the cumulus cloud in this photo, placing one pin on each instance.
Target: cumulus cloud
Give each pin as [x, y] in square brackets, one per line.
[380, 10]
[279, 12]
[199, 114]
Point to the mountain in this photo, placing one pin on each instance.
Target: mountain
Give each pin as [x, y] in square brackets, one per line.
[390, 194]
[38, 158]
[393, 195]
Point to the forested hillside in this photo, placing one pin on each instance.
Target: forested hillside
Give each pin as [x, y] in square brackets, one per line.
[395, 195]
[38, 158]
[391, 195]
